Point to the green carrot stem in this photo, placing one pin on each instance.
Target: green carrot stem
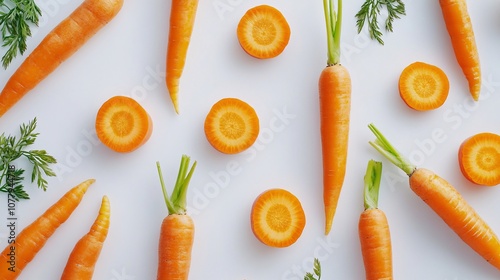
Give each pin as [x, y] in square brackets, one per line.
[333, 20]
[372, 180]
[176, 203]
[383, 145]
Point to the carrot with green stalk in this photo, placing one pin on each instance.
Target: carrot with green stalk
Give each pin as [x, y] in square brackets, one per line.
[177, 229]
[373, 228]
[335, 107]
[446, 201]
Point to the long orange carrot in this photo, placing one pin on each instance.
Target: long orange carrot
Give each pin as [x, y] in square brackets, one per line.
[335, 106]
[446, 201]
[182, 17]
[32, 238]
[373, 229]
[82, 260]
[177, 229]
[62, 42]
[459, 27]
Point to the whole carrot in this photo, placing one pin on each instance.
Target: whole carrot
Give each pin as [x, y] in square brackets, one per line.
[82, 260]
[182, 17]
[335, 106]
[446, 201]
[177, 229]
[62, 42]
[373, 229]
[459, 27]
[32, 238]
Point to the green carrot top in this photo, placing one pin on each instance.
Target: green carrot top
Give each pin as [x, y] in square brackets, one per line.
[176, 203]
[372, 184]
[383, 145]
[333, 19]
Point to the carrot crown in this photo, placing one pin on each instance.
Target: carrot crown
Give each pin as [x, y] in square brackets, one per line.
[382, 145]
[176, 202]
[333, 19]
[372, 184]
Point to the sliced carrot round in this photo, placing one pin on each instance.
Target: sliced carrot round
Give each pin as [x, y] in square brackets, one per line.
[263, 32]
[423, 86]
[479, 159]
[231, 126]
[277, 218]
[122, 124]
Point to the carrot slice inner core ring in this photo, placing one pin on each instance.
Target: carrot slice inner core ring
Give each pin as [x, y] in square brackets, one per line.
[487, 158]
[264, 32]
[232, 125]
[279, 218]
[122, 123]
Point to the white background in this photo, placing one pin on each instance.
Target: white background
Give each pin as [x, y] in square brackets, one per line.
[127, 58]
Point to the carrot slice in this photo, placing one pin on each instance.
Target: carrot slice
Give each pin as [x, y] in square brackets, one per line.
[263, 32]
[479, 159]
[277, 218]
[122, 124]
[231, 126]
[423, 86]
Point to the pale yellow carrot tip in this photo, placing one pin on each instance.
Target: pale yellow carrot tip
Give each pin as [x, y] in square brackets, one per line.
[175, 102]
[328, 227]
[83, 186]
[105, 206]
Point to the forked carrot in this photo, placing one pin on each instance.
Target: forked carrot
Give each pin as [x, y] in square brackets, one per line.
[277, 218]
[122, 124]
[182, 18]
[32, 238]
[335, 108]
[373, 229]
[177, 229]
[446, 202]
[231, 126]
[263, 32]
[62, 42]
[82, 260]
[423, 86]
[459, 27]
[479, 158]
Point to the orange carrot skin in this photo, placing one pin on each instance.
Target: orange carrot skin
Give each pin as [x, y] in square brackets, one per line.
[376, 247]
[62, 42]
[459, 27]
[32, 238]
[182, 17]
[175, 246]
[83, 258]
[447, 202]
[335, 105]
